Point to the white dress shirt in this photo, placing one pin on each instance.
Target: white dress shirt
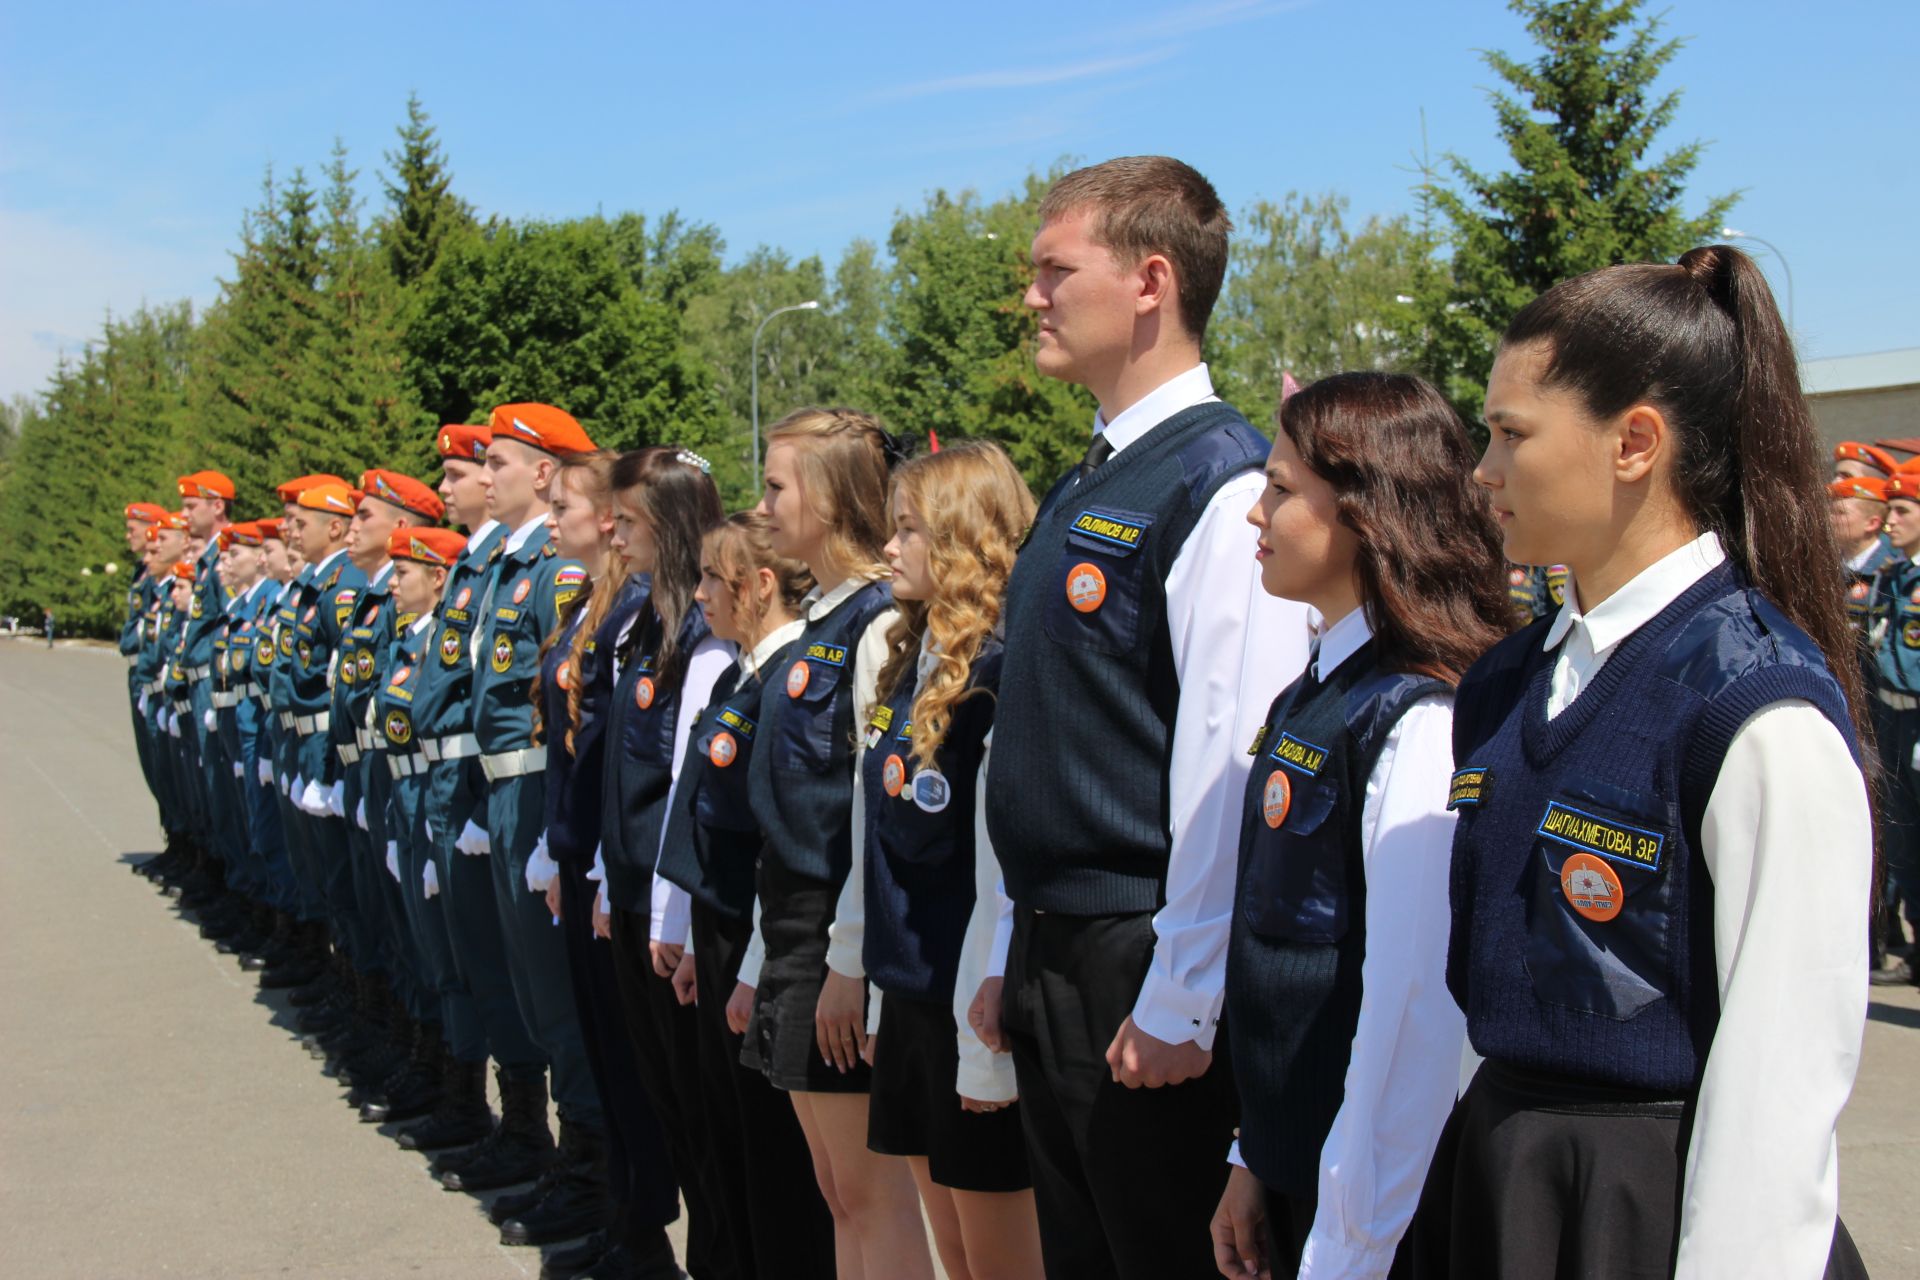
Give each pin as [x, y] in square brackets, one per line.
[1788, 841]
[1402, 1076]
[983, 1075]
[1232, 645]
[672, 906]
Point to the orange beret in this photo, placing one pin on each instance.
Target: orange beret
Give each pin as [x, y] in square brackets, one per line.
[291, 490]
[437, 547]
[1854, 451]
[542, 426]
[1871, 488]
[206, 484]
[402, 491]
[172, 520]
[146, 512]
[1902, 484]
[247, 534]
[332, 497]
[458, 440]
[183, 571]
[274, 529]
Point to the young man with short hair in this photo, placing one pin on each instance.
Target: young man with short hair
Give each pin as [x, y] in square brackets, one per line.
[1124, 713]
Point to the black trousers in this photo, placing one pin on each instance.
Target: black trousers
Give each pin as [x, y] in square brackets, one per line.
[668, 1056]
[640, 1172]
[1126, 1180]
[771, 1200]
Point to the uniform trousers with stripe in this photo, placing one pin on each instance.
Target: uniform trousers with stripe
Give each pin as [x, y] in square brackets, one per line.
[439, 978]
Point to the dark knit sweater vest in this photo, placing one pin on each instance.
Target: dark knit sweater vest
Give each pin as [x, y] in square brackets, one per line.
[1299, 932]
[1077, 799]
[801, 778]
[713, 842]
[1582, 940]
[920, 837]
[643, 718]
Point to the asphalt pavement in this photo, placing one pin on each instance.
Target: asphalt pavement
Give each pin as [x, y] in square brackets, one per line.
[158, 1116]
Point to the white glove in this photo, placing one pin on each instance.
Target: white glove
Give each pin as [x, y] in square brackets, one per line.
[541, 868]
[239, 770]
[431, 878]
[360, 815]
[473, 840]
[209, 719]
[173, 725]
[598, 872]
[266, 772]
[336, 800]
[426, 825]
[293, 787]
[142, 704]
[313, 799]
[393, 861]
[1915, 761]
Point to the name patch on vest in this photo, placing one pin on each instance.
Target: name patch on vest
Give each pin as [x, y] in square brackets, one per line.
[736, 722]
[878, 725]
[1469, 786]
[834, 655]
[1110, 529]
[1300, 755]
[1635, 846]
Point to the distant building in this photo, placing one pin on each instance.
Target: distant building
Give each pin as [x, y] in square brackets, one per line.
[1867, 398]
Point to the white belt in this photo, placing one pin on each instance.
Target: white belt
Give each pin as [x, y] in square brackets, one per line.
[304, 725]
[251, 691]
[199, 673]
[405, 766]
[289, 721]
[225, 699]
[133, 659]
[349, 753]
[155, 686]
[456, 748]
[182, 706]
[1898, 701]
[513, 764]
[377, 741]
[363, 738]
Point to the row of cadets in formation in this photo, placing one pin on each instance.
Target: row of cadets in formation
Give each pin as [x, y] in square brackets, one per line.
[897, 782]
[1876, 518]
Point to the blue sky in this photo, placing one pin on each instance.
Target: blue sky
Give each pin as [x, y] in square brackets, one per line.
[132, 136]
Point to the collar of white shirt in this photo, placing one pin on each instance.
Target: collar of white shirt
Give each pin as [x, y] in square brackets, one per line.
[321, 568]
[1341, 641]
[769, 645]
[1641, 599]
[518, 538]
[1183, 391]
[421, 623]
[819, 604]
[380, 575]
[1859, 562]
[481, 534]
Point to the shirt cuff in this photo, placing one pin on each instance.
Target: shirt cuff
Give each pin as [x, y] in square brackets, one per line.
[1168, 1011]
[985, 1076]
[1233, 1154]
[672, 913]
[1325, 1257]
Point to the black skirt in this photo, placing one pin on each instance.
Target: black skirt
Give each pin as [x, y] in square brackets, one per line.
[781, 1042]
[1539, 1176]
[915, 1111]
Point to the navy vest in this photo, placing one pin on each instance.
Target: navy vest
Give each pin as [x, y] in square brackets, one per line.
[1299, 931]
[920, 837]
[713, 841]
[801, 780]
[1077, 798]
[1582, 941]
[643, 717]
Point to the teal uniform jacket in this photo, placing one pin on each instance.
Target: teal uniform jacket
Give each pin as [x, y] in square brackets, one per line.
[139, 603]
[152, 663]
[324, 609]
[527, 589]
[209, 603]
[1896, 627]
[1863, 583]
[442, 697]
[286, 616]
[393, 721]
[363, 645]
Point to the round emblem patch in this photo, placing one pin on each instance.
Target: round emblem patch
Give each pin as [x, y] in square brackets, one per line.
[502, 653]
[1276, 798]
[346, 669]
[263, 653]
[1910, 634]
[460, 601]
[1915, 597]
[1858, 591]
[286, 644]
[520, 592]
[450, 646]
[563, 675]
[365, 663]
[194, 612]
[643, 693]
[400, 674]
[1592, 887]
[311, 610]
[399, 728]
[306, 653]
[893, 775]
[373, 611]
[723, 750]
[931, 791]
[1086, 587]
[797, 677]
[1517, 577]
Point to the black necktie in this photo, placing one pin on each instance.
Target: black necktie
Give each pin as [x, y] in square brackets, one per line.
[1098, 452]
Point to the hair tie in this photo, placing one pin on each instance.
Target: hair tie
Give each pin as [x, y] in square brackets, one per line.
[895, 447]
[692, 459]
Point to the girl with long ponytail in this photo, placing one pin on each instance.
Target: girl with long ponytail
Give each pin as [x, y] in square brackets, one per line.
[1663, 851]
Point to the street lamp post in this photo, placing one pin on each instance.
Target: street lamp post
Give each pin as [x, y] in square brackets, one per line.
[810, 305]
[1732, 234]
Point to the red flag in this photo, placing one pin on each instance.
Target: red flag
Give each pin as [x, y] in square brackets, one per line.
[1289, 386]
[933, 441]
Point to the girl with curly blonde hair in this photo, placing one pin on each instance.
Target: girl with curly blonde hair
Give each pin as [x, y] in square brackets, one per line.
[958, 518]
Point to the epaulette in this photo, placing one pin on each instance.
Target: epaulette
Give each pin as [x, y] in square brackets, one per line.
[333, 578]
[547, 550]
[494, 554]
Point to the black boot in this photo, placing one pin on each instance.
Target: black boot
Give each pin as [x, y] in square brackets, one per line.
[391, 1030]
[254, 931]
[579, 1201]
[523, 1146]
[225, 918]
[288, 937]
[301, 965]
[415, 1090]
[565, 1264]
[462, 1116]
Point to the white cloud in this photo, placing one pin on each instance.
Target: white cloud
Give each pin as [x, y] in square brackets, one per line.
[1199, 17]
[1023, 77]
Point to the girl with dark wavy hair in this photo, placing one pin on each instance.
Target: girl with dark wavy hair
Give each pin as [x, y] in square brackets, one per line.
[1345, 1045]
[1663, 859]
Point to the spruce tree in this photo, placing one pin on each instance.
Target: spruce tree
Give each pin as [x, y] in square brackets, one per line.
[1585, 192]
[422, 210]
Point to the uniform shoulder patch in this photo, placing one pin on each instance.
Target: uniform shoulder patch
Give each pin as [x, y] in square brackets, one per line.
[345, 597]
[570, 576]
[1469, 787]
